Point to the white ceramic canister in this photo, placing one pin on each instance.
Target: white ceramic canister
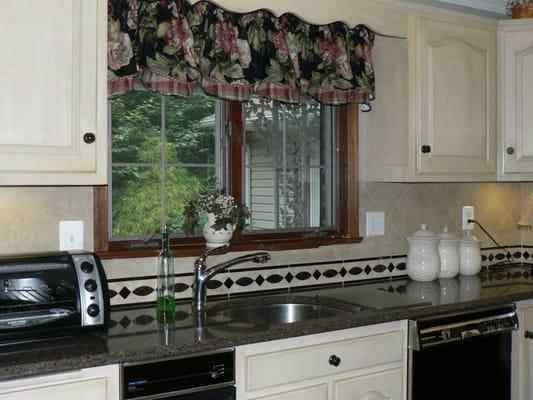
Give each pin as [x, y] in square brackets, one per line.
[469, 255]
[423, 263]
[448, 254]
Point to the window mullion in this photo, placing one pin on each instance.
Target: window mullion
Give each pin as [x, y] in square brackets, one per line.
[163, 163]
[285, 170]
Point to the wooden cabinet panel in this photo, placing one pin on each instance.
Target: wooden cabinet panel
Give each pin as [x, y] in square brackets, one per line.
[515, 45]
[385, 385]
[100, 383]
[52, 92]
[455, 90]
[372, 362]
[308, 362]
[319, 392]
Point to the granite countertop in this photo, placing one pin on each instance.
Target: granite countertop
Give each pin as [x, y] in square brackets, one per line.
[134, 334]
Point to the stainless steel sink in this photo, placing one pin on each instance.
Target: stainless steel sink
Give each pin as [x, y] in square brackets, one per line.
[279, 313]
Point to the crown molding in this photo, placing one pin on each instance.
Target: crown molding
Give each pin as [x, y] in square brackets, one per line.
[495, 6]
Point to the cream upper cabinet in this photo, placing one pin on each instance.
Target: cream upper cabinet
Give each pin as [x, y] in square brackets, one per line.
[100, 383]
[367, 363]
[434, 117]
[454, 80]
[53, 92]
[515, 58]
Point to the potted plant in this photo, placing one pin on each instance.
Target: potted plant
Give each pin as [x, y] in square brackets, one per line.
[520, 8]
[224, 214]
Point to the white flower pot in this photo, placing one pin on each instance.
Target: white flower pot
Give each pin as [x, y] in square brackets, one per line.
[216, 237]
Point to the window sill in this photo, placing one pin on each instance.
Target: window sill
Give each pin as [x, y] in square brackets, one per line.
[195, 249]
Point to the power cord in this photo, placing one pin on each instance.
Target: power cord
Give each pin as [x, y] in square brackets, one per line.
[509, 254]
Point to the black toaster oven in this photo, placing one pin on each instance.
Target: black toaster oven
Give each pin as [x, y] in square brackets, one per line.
[51, 294]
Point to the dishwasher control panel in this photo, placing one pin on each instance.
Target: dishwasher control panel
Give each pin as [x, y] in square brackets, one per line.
[177, 376]
[457, 327]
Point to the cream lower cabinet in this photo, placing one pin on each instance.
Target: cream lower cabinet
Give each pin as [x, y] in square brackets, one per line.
[367, 363]
[522, 354]
[53, 90]
[434, 117]
[99, 383]
[515, 77]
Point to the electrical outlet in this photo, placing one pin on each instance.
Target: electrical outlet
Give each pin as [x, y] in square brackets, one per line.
[70, 235]
[375, 223]
[468, 213]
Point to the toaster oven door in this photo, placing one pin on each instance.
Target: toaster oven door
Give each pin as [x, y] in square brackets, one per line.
[37, 296]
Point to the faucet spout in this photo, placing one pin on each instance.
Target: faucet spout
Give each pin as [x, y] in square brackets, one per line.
[202, 275]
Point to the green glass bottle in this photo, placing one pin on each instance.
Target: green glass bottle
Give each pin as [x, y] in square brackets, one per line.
[166, 303]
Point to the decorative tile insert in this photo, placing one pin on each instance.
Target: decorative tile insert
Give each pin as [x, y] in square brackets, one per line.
[246, 280]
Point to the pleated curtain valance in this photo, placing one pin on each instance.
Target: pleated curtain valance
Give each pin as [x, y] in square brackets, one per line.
[173, 46]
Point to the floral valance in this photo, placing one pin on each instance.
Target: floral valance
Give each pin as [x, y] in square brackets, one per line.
[173, 46]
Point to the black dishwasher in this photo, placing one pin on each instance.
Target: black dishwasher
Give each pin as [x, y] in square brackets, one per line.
[462, 356]
[206, 376]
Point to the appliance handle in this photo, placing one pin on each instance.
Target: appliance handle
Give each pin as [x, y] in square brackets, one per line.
[23, 320]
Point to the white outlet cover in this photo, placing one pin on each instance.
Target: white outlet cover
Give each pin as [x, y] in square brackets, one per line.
[468, 213]
[70, 235]
[375, 223]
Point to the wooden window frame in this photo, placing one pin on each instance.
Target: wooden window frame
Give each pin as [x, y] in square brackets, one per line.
[347, 207]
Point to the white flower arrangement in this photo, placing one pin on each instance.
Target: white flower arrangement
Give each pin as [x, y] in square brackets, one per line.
[225, 208]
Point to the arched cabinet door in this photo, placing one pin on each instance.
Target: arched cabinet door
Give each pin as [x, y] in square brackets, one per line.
[454, 70]
[385, 385]
[53, 89]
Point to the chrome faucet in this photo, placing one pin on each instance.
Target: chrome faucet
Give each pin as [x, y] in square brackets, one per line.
[202, 275]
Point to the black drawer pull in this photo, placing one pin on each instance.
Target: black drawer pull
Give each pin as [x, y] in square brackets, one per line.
[426, 148]
[528, 335]
[334, 360]
[510, 150]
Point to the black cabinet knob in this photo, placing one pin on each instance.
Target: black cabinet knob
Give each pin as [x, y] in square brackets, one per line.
[89, 137]
[426, 148]
[87, 267]
[334, 360]
[528, 335]
[510, 150]
[90, 285]
[93, 310]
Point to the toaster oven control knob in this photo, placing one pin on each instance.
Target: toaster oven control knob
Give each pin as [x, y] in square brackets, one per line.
[90, 285]
[87, 267]
[93, 310]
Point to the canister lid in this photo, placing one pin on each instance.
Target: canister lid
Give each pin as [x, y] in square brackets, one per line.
[470, 240]
[423, 233]
[445, 235]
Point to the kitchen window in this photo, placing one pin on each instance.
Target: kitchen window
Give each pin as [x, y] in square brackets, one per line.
[294, 166]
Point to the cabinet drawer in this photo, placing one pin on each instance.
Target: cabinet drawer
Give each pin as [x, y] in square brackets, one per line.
[319, 392]
[385, 385]
[308, 362]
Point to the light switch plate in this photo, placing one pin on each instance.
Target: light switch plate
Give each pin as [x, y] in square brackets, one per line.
[70, 235]
[375, 223]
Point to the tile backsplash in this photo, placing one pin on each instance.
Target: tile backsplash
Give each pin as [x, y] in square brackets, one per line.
[31, 222]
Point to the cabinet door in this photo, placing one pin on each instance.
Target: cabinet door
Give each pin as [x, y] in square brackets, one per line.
[455, 77]
[319, 392]
[387, 385]
[52, 92]
[516, 105]
[100, 383]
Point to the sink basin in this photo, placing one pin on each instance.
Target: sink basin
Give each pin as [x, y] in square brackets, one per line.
[279, 313]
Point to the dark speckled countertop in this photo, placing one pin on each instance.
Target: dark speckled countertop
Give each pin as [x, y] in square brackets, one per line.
[135, 335]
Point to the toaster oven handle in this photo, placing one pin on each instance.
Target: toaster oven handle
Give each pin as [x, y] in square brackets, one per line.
[23, 320]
